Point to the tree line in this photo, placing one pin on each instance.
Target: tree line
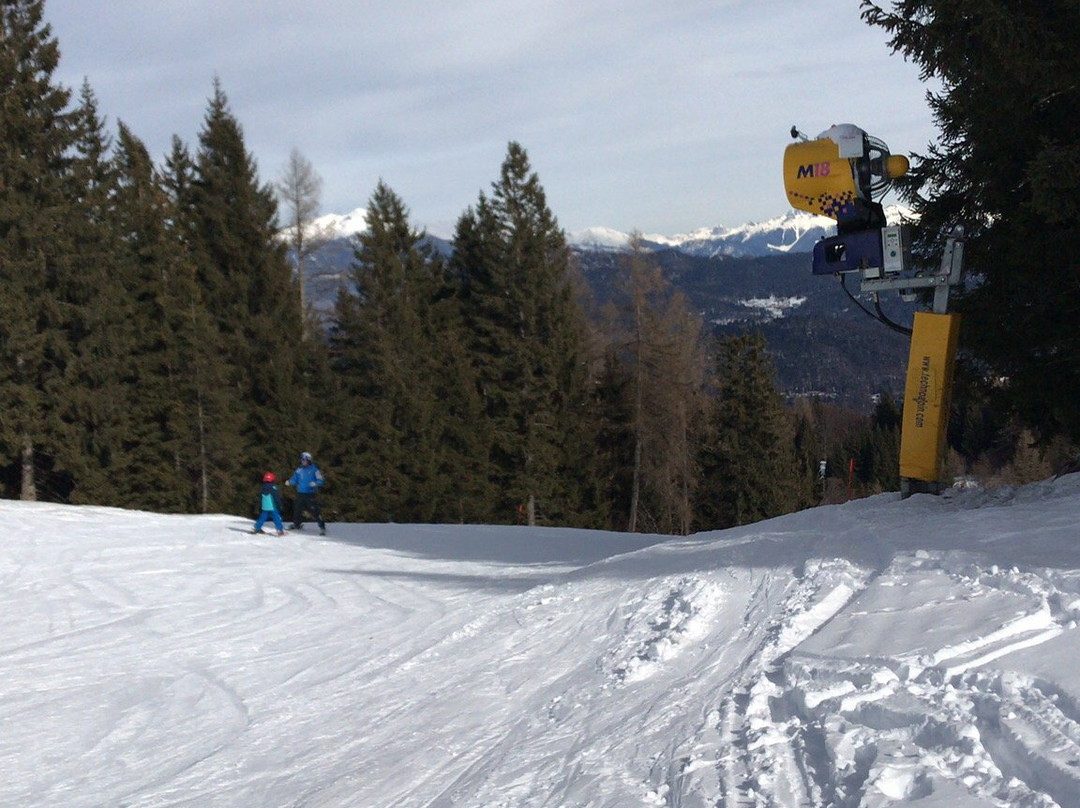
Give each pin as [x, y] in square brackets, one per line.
[158, 353]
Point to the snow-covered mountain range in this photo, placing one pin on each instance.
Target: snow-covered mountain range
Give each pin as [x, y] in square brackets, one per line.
[791, 232]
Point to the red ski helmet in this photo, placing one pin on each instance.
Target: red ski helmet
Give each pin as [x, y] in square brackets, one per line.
[269, 477]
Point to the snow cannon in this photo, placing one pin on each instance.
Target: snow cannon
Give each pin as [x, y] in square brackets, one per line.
[841, 174]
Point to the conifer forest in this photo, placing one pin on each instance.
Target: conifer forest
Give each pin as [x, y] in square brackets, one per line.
[157, 351]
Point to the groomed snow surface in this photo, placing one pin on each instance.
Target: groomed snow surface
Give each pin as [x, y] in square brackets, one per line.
[881, 652]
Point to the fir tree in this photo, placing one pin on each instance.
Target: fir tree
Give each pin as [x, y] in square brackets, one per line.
[527, 342]
[407, 400]
[36, 135]
[1007, 168]
[97, 408]
[613, 405]
[748, 464]
[250, 294]
[202, 393]
[885, 430]
[152, 264]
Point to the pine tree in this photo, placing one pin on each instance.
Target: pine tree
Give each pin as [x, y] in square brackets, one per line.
[615, 446]
[36, 134]
[527, 344]
[885, 431]
[96, 406]
[749, 469]
[407, 402]
[1007, 167]
[250, 294]
[376, 341]
[151, 267]
[201, 392]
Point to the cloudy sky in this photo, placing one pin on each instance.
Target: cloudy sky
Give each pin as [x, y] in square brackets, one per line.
[638, 114]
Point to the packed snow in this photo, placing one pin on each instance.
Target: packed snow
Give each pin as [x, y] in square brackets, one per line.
[880, 652]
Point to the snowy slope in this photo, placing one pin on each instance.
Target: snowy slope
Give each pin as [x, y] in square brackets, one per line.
[876, 653]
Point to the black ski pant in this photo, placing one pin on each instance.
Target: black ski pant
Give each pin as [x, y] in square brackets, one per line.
[310, 503]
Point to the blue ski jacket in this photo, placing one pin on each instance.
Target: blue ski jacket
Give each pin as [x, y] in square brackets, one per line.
[269, 498]
[307, 479]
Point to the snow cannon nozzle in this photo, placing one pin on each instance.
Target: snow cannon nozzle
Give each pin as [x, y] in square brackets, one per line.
[896, 165]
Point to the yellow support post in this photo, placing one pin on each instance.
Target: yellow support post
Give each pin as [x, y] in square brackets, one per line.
[927, 397]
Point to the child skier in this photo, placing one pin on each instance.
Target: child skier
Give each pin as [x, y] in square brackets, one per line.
[269, 504]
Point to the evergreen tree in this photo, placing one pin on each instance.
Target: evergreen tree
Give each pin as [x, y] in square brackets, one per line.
[407, 404]
[885, 441]
[749, 469]
[201, 391]
[613, 404]
[809, 452]
[474, 265]
[527, 344]
[152, 267]
[250, 294]
[1007, 167]
[96, 409]
[875, 449]
[36, 136]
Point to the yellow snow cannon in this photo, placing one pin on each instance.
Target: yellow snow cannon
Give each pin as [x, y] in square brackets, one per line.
[840, 174]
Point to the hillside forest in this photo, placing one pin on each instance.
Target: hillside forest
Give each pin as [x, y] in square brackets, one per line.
[158, 351]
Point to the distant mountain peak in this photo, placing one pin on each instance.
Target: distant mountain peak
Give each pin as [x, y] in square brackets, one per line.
[791, 232]
[342, 225]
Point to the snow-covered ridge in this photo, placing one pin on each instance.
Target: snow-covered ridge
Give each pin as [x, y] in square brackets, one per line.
[337, 225]
[791, 232]
[794, 231]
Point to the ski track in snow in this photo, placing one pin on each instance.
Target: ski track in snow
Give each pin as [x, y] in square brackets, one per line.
[872, 654]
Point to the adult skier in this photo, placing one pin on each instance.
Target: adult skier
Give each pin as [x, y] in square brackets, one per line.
[308, 480]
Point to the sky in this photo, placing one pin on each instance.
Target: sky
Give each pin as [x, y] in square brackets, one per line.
[636, 115]
[881, 652]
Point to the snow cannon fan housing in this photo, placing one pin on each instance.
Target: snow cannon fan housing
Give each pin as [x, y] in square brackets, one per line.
[841, 174]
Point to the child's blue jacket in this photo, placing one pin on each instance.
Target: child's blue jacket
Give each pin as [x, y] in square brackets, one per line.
[269, 498]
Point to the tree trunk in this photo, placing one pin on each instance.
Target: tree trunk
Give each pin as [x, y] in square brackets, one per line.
[203, 462]
[635, 489]
[29, 487]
